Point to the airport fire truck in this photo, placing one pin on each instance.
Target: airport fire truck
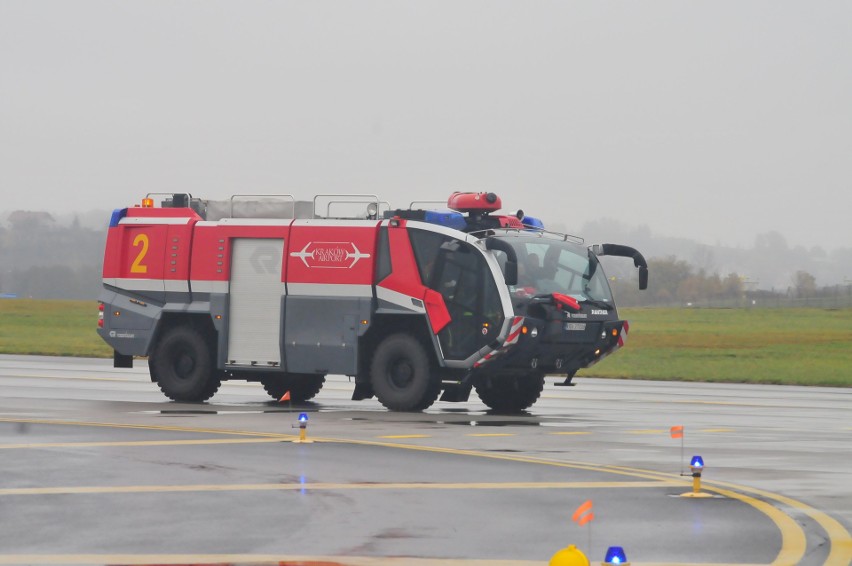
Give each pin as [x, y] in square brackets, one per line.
[411, 303]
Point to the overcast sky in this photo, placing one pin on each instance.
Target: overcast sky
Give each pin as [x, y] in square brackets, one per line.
[710, 120]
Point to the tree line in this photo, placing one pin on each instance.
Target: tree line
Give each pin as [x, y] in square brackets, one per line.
[42, 257]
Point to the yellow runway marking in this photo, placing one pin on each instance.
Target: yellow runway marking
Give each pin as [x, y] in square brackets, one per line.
[77, 490]
[405, 436]
[485, 434]
[144, 559]
[793, 544]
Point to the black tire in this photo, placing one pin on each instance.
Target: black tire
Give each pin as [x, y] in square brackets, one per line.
[182, 364]
[511, 394]
[302, 386]
[402, 376]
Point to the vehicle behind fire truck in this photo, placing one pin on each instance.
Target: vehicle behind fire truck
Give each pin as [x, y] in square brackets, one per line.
[413, 304]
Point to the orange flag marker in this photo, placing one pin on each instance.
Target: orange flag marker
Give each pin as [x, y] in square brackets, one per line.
[583, 514]
[677, 431]
[285, 397]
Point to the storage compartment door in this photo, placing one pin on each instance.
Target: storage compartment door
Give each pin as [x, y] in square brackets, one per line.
[255, 302]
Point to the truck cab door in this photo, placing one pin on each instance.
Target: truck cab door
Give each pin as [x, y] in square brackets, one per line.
[459, 272]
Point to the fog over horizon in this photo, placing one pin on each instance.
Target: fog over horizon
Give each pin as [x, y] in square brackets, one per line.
[712, 121]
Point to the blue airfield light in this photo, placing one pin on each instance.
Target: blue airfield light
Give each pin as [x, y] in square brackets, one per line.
[615, 555]
[303, 417]
[696, 462]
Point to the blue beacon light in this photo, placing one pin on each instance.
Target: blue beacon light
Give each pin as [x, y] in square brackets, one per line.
[696, 462]
[615, 555]
[303, 417]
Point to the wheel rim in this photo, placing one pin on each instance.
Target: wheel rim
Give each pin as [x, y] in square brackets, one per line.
[401, 373]
[184, 364]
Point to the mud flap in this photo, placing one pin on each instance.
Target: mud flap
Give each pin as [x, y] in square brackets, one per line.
[121, 361]
[456, 393]
[362, 391]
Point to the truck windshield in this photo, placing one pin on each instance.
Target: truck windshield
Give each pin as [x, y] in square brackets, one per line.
[554, 266]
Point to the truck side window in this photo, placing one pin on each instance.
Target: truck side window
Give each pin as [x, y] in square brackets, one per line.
[426, 246]
[383, 256]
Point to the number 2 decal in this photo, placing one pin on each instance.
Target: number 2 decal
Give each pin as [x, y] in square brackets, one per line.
[137, 266]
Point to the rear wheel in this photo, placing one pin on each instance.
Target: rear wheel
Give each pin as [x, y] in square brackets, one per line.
[182, 365]
[510, 394]
[401, 374]
[302, 386]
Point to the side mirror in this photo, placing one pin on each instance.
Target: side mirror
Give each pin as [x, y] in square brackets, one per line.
[643, 278]
[510, 273]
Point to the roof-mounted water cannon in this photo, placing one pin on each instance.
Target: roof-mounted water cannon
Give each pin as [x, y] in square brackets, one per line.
[474, 203]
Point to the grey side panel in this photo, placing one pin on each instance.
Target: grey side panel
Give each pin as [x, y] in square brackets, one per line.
[254, 311]
[321, 333]
[130, 331]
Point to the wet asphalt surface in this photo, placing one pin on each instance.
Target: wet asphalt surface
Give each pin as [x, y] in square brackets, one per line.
[98, 467]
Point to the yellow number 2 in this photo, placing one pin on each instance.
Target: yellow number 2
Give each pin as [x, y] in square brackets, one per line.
[136, 266]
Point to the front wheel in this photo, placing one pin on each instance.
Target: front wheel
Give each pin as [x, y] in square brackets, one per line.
[510, 394]
[401, 374]
[302, 386]
[182, 365]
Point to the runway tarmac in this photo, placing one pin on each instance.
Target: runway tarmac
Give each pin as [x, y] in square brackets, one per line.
[98, 467]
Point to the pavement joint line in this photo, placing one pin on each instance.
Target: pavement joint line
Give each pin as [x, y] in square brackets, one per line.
[486, 434]
[793, 537]
[74, 378]
[323, 486]
[147, 427]
[108, 444]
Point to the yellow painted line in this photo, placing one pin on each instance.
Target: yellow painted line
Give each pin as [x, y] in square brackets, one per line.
[37, 445]
[841, 539]
[79, 490]
[648, 431]
[276, 560]
[144, 559]
[793, 540]
[712, 430]
[406, 436]
[485, 434]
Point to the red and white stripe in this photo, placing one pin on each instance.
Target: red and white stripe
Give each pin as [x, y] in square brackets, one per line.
[512, 339]
[622, 337]
[514, 331]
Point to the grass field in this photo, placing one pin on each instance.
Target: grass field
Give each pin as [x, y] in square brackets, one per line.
[788, 346]
[53, 328]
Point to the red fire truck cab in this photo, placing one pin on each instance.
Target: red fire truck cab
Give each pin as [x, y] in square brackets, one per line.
[409, 302]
